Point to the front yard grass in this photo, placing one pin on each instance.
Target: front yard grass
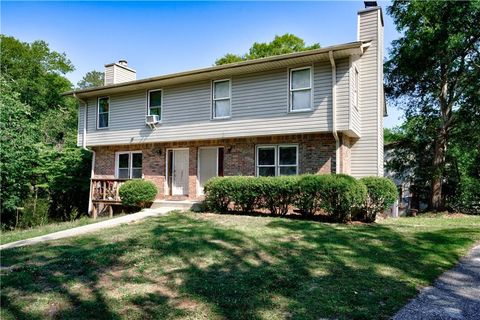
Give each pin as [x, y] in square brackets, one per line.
[21, 234]
[207, 266]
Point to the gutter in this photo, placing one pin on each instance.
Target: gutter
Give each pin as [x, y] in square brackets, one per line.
[334, 111]
[84, 147]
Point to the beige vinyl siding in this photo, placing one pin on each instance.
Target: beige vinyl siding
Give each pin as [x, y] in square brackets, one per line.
[81, 119]
[381, 103]
[365, 151]
[260, 95]
[186, 104]
[343, 94]
[109, 73]
[355, 122]
[123, 75]
[187, 110]
[322, 95]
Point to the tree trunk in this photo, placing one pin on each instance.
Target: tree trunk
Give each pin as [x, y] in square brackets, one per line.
[436, 198]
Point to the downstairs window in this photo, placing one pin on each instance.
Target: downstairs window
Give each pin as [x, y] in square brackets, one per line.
[277, 160]
[129, 165]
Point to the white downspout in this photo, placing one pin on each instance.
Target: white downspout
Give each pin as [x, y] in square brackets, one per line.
[334, 112]
[84, 146]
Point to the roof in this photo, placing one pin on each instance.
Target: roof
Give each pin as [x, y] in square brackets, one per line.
[228, 70]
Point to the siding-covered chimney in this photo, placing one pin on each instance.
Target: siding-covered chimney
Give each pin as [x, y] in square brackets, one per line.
[119, 72]
[369, 148]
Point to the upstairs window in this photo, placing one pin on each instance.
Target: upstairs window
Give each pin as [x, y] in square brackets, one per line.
[129, 165]
[103, 112]
[155, 103]
[221, 99]
[277, 160]
[301, 89]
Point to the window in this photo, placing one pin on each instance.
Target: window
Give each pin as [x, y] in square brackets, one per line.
[277, 160]
[129, 165]
[221, 99]
[103, 112]
[301, 89]
[355, 88]
[155, 103]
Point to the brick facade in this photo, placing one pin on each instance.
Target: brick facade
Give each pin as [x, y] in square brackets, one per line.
[316, 154]
[345, 154]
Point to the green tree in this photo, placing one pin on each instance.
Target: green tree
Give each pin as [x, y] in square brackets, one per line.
[287, 43]
[39, 153]
[431, 68]
[92, 79]
[37, 72]
[18, 152]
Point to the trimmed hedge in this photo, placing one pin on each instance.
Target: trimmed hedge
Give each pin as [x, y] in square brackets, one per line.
[137, 193]
[382, 193]
[336, 195]
[340, 195]
[308, 199]
[278, 193]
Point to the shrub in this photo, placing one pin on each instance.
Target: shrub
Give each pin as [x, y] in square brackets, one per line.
[382, 193]
[245, 192]
[217, 194]
[340, 195]
[467, 196]
[337, 195]
[278, 193]
[137, 193]
[308, 199]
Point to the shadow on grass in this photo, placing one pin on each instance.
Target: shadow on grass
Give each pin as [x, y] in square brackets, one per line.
[189, 266]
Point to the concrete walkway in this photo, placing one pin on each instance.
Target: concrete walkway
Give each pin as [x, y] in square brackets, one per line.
[454, 295]
[110, 223]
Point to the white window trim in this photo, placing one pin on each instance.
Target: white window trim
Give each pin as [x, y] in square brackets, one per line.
[130, 162]
[98, 113]
[258, 166]
[276, 165]
[290, 90]
[213, 117]
[287, 165]
[161, 103]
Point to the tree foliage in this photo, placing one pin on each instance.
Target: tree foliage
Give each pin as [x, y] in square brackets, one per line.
[40, 162]
[287, 43]
[92, 79]
[433, 72]
[18, 150]
[36, 71]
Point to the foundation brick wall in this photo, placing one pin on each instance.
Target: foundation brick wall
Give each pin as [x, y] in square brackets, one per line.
[316, 154]
[345, 154]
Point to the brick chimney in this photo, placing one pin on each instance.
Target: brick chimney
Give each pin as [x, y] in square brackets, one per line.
[119, 72]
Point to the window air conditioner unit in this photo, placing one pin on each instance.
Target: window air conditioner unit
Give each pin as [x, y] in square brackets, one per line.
[152, 120]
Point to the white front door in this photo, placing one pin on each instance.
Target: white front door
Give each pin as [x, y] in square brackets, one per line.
[180, 172]
[207, 166]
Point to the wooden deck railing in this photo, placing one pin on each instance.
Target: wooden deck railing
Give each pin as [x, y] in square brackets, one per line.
[104, 194]
[106, 190]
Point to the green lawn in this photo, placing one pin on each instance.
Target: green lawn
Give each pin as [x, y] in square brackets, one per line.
[15, 235]
[206, 266]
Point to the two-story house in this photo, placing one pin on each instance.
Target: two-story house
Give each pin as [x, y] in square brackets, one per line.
[319, 111]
